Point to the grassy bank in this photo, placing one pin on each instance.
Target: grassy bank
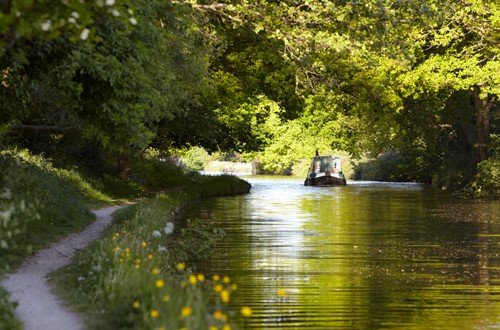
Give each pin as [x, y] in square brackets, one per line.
[138, 277]
[40, 204]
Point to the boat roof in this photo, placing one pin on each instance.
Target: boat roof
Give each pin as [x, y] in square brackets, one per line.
[329, 156]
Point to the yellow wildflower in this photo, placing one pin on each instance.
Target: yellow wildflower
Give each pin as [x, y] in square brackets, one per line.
[160, 283]
[200, 277]
[224, 296]
[226, 327]
[181, 266]
[216, 278]
[234, 287]
[154, 313]
[218, 315]
[155, 271]
[192, 279]
[186, 311]
[213, 327]
[166, 298]
[281, 292]
[144, 244]
[218, 287]
[226, 279]
[150, 256]
[136, 304]
[246, 311]
[137, 266]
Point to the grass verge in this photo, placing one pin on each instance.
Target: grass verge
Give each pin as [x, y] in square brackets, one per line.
[136, 276]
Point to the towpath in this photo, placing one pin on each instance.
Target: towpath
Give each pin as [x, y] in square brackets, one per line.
[38, 308]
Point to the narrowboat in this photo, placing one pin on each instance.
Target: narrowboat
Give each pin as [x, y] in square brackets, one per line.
[325, 171]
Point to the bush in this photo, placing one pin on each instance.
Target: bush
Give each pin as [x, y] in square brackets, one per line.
[197, 158]
[8, 319]
[158, 173]
[486, 183]
[386, 167]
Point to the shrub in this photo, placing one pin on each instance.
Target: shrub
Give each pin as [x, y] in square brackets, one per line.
[486, 183]
[7, 317]
[386, 167]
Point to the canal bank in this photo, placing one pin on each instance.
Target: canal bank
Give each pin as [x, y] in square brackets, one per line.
[98, 282]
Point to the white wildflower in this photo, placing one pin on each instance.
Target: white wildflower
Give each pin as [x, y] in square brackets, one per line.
[115, 13]
[47, 25]
[162, 249]
[81, 279]
[6, 194]
[156, 233]
[72, 20]
[85, 34]
[133, 20]
[75, 15]
[110, 2]
[98, 268]
[169, 228]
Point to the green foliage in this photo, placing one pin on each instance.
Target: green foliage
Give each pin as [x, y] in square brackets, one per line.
[114, 86]
[219, 185]
[486, 183]
[40, 203]
[386, 167]
[196, 158]
[15, 217]
[8, 319]
[158, 173]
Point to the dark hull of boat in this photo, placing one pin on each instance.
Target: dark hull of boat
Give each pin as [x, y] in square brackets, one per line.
[325, 181]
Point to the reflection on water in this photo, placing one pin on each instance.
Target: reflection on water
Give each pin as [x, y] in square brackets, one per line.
[363, 256]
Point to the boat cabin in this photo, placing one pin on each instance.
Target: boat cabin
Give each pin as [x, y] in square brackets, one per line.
[325, 171]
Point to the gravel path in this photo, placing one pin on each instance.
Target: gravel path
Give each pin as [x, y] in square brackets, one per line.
[38, 307]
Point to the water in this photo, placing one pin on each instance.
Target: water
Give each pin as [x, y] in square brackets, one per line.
[364, 256]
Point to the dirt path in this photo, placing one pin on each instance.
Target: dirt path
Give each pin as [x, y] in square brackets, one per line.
[38, 307]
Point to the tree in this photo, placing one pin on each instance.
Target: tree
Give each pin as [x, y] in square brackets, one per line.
[140, 63]
[459, 52]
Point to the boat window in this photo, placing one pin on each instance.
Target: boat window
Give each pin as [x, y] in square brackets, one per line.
[326, 164]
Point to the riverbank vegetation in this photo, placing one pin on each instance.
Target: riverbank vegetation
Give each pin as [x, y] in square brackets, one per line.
[41, 203]
[137, 275]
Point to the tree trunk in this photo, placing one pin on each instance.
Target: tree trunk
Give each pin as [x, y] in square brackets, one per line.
[123, 165]
[482, 107]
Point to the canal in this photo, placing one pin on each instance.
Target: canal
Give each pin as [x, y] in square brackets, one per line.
[365, 256]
